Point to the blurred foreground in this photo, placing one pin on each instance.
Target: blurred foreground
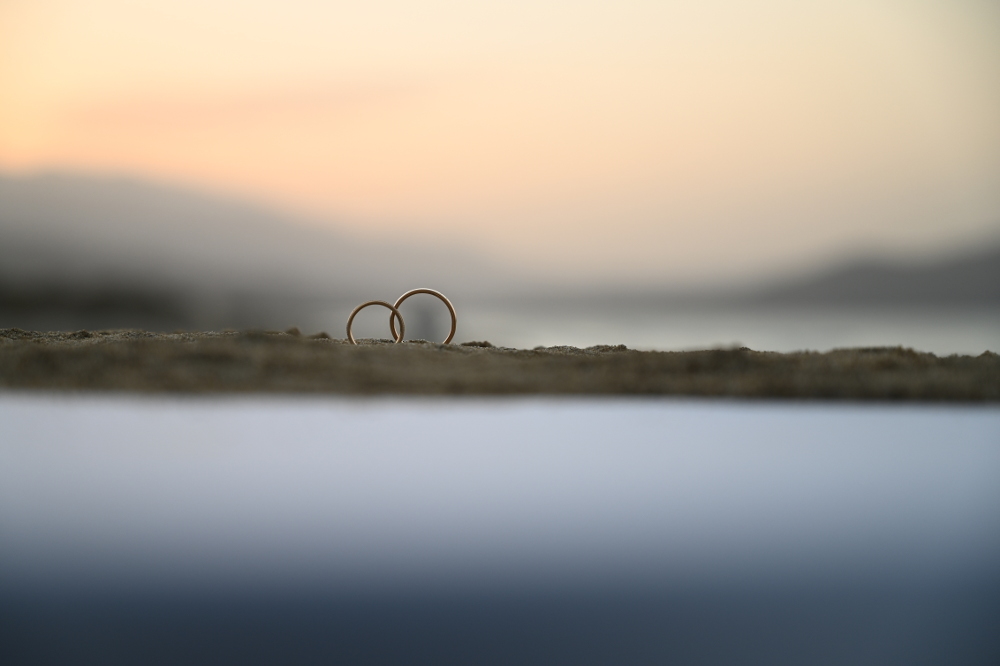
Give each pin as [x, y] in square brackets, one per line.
[309, 531]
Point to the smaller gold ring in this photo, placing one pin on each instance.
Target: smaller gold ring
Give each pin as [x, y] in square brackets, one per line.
[432, 292]
[392, 308]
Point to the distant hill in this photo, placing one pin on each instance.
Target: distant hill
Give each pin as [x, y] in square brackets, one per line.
[84, 251]
[98, 230]
[78, 250]
[969, 280]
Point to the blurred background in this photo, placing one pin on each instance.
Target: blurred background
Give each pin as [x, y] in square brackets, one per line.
[666, 175]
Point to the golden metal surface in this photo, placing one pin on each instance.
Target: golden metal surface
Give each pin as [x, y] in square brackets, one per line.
[412, 292]
[395, 313]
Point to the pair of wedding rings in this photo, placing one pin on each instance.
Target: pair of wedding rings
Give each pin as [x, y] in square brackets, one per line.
[394, 310]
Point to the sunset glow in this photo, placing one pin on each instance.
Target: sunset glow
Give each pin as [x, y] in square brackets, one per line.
[632, 140]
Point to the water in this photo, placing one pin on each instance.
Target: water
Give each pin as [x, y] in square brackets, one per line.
[774, 328]
[940, 332]
[138, 530]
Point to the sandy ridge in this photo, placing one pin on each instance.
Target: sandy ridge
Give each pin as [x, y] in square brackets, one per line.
[288, 362]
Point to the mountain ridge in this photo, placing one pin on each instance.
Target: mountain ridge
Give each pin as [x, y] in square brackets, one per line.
[100, 251]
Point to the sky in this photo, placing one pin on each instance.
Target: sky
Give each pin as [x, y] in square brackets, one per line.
[630, 141]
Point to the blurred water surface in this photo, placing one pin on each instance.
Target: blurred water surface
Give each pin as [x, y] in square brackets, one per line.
[767, 328]
[169, 529]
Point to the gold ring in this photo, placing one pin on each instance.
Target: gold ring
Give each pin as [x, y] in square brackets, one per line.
[395, 313]
[432, 292]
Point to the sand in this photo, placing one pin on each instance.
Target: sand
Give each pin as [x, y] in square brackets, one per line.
[288, 362]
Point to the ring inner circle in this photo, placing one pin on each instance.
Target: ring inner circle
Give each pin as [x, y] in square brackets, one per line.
[432, 292]
[395, 313]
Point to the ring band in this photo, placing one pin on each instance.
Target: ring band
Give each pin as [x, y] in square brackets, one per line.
[395, 313]
[399, 301]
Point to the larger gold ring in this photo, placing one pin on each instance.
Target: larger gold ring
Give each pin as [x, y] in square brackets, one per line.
[395, 313]
[432, 292]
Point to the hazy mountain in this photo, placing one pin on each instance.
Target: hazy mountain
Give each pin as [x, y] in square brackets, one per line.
[133, 253]
[83, 251]
[969, 280]
[59, 227]
[972, 279]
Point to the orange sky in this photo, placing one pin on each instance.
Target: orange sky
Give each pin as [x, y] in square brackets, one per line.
[628, 140]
